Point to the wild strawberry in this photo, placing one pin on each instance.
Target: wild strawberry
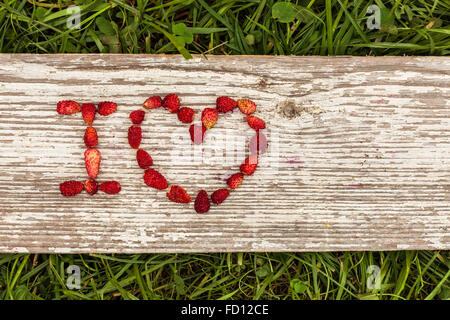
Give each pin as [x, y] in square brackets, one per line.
[68, 107]
[91, 186]
[92, 159]
[90, 137]
[235, 180]
[154, 179]
[186, 115]
[246, 106]
[88, 112]
[105, 108]
[171, 102]
[225, 104]
[258, 143]
[249, 165]
[134, 136]
[70, 188]
[219, 196]
[178, 194]
[256, 123]
[137, 116]
[144, 160]
[201, 204]
[110, 187]
[197, 133]
[209, 117]
[152, 102]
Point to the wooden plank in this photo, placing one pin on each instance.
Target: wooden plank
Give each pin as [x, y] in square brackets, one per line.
[358, 157]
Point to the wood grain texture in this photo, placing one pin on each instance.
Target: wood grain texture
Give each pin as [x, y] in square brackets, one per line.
[358, 158]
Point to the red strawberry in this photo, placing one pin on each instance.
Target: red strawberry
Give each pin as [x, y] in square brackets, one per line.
[105, 108]
[209, 117]
[88, 112]
[171, 102]
[220, 195]
[249, 165]
[137, 116]
[91, 186]
[246, 106]
[144, 159]
[68, 107]
[225, 104]
[186, 115]
[201, 204]
[92, 159]
[90, 137]
[70, 188]
[152, 102]
[258, 143]
[110, 187]
[197, 133]
[134, 136]
[154, 179]
[178, 194]
[256, 123]
[235, 180]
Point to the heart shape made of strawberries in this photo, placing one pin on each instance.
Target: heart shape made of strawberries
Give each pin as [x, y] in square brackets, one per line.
[153, 178]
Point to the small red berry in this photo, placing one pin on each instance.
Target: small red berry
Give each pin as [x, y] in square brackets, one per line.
[153, 102]
[209, 117]
[70, 188]
[68, 107]
[186, 115]
[137, 116]
[105, 108]
[246, 106]
[90, 137]
[249, 165]
[92, 159]
[91, 186]
[256, 123]
[235, 180]
[197, 133]
[154, 179]
[201, 204]
[144, 160]
[258, 143]
[219, 196]
[178, 194]
[171, 102]
[134, 136]
[110, 187]
[88, 111]
[225, 104]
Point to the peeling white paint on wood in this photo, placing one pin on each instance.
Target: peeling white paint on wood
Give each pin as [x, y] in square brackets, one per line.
[359, 154]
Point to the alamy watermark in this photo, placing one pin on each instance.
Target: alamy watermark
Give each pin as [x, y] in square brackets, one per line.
[73, 281]
[374, 279]
[74, 20]
[374, 20]
[225, 147]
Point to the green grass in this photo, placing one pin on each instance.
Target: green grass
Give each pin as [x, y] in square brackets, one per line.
[403, 275]
[416, 27]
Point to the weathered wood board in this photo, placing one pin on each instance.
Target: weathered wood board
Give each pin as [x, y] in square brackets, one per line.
[359, 155]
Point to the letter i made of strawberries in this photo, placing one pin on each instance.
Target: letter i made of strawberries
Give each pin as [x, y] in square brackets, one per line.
[92, 156]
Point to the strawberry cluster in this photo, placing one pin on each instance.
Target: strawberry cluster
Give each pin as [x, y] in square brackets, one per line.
[92, 156]
[209, 117]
